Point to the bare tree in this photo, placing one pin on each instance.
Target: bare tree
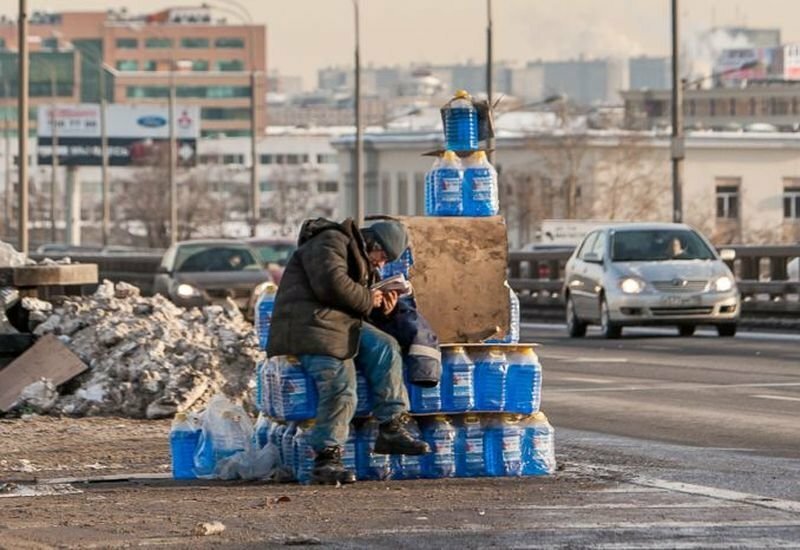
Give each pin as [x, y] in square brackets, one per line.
[293, 197]
[630, 182]
[145, 201]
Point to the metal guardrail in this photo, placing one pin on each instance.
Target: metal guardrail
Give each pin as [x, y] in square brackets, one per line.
[538, 277]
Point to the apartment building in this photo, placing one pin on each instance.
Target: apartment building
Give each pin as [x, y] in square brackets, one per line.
[211, 62]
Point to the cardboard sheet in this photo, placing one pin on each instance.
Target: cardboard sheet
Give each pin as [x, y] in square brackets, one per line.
[458, 275]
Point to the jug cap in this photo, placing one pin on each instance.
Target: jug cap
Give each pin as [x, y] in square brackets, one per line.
[478, 156]
[181, 417]
[462, 94]
[450, 156]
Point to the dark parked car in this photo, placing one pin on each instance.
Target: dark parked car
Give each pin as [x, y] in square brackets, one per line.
[202, 272]
[274, 254]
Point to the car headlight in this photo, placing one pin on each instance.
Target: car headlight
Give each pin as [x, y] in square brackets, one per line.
[186, 291]
[631, 285]
[723, 284]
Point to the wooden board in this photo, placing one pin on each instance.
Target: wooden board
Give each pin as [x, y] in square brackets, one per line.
[47, 358]
[51, 275]
[458, 275]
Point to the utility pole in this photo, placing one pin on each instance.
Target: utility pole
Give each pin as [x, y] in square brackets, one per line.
[359, 152]
[677, 146]
[53, 166]
[489, 73]
[7, 156]
[105, 186]
[22, 127]
[173, 187]
[255, 191]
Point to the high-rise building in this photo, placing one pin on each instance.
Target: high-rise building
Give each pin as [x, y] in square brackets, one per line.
[209, 61]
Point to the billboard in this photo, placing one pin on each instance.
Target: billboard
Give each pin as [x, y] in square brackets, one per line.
[791, 61]
[132, 132]
[736, 65]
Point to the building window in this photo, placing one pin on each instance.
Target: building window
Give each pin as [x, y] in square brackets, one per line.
[150, 65]
[794, 106]
[326, 158]
[50, 44]
[194, 43]
[231, 65]
[280, 159]
[752, 106]
[158, 43]
[328, 187]
[728, 198]
[732, 107]
[200, 65]
[712, 107]
[229, 43]
[146, 91]
[402, 193]
[127, 65]
[213, 91]
[692, 107]
[265, 159]
[386, 192]
[232, 159]
[225, 113]
[127, 43]
[419, 193]
[791, 199]
[296, 159]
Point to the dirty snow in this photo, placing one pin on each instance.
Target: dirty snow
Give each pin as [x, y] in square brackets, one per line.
[149, 358]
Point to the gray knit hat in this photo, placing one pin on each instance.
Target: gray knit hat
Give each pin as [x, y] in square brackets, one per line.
[390, 235]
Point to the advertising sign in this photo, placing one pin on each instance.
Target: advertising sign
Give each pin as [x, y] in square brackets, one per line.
[791, 62]
[736, 65]
[133, 131]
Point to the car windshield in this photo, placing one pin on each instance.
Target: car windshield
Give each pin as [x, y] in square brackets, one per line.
[658, 245]
[209, 257]
[275, 253]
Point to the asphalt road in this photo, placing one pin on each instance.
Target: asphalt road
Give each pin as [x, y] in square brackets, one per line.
[738, 393]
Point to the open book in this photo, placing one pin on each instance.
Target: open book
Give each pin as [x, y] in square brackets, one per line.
[397, 283]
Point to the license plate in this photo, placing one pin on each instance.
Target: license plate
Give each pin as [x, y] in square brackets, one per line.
[681, 301]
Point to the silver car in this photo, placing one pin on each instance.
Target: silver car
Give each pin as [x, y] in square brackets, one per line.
[649, 274]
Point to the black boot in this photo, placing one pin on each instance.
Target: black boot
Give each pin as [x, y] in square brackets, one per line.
[329, 470]
[395, 439]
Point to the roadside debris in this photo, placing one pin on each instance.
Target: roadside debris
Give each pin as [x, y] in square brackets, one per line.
[147, 357]
[208, 528]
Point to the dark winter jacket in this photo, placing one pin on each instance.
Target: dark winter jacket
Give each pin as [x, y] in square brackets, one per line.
[418, 342]
[324, 293]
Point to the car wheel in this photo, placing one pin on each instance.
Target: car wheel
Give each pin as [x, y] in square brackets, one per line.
[608, 328]
[686, 330]
[726, 330]
[575, 327]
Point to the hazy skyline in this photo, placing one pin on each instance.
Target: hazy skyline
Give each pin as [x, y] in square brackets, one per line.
[305, 35]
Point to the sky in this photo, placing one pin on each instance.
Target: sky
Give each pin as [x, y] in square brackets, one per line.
[304, 35]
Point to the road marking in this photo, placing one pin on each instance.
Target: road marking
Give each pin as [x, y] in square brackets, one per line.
[600, 360]
[621, 506]
[720, 494]
[557, 327]
[589, 380]
[677, 387]
[777, 397]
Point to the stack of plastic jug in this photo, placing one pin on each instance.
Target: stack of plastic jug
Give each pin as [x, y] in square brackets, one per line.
[292, 392]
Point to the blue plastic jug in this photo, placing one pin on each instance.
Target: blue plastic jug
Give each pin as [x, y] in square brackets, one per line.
[491, 367]
[461, 123]
[448, 181]
[458, 380]
[480, 186]
[470, 455]
[503, 446]
[408, 466]
[184, 437]
[303, 453]
[523, 382]
[538, 446]
[263, 314]
[369, 464]
[296, 393]
[441, 461]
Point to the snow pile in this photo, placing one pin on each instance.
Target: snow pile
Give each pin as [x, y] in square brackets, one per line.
[9, 257]
[148, 357]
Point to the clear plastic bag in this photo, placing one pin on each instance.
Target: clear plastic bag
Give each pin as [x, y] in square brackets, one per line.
[227, 431]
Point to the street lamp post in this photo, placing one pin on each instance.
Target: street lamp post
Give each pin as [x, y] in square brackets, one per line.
[677, 145]
[173, 186]
[489, 73]
[22, 127]
[359, 148]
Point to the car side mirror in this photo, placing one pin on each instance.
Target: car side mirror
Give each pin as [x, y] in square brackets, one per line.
[593, 258]
[727, 254]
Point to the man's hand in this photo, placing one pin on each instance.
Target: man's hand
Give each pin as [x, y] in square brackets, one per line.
[389, 302]
[377, 299]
